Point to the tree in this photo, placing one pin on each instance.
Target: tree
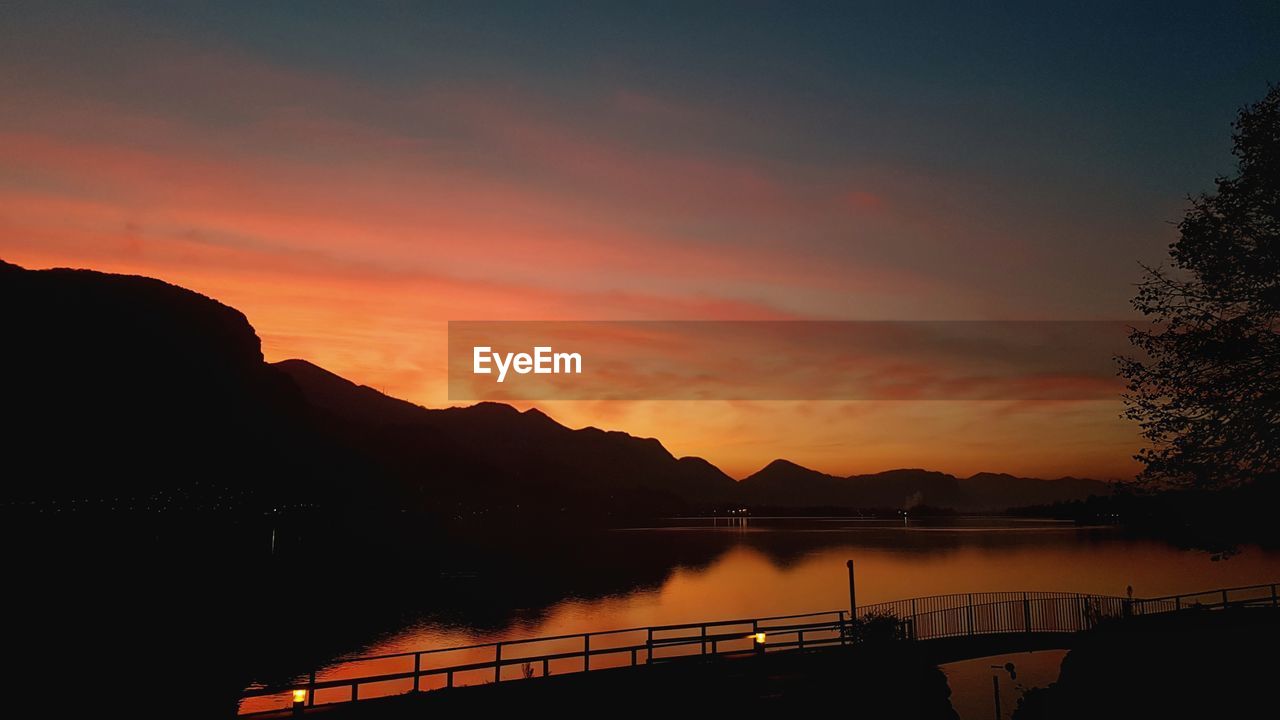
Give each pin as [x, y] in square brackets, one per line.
[1207, 393]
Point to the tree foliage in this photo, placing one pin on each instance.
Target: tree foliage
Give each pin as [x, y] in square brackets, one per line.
[1205, 386]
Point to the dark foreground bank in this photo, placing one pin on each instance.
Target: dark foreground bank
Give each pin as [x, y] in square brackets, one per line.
[1196, 664]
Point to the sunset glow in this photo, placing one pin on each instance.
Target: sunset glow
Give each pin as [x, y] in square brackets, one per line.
[424, 358]
[350, 211]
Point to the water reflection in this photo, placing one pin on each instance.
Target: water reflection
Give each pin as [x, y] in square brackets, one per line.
[972, 692]
[702, 569]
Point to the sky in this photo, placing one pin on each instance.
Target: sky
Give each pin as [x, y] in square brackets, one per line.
[353, 176]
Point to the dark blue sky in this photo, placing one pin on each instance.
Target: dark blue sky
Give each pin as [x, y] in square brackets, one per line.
[1041, 150]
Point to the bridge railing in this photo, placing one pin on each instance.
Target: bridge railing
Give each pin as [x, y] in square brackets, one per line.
[1241, 596]
[936, 603]
[1025, 613]
[394, 673]
[925, 618]
[1039, 612]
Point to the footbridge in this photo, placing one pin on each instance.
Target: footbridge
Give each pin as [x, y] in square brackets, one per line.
[945, 627]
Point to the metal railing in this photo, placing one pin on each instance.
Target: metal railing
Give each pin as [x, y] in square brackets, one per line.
[924, 618]
[1242, 596]
[962, 614]
[560, 654]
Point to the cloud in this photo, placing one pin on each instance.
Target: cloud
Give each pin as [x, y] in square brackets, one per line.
[864, 201]
[350, 220]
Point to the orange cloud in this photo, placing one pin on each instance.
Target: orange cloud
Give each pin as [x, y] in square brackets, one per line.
[349, 224]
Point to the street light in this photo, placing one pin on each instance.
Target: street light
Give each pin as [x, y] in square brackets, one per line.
[995, 683]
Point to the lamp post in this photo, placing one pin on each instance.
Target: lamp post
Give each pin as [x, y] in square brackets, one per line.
[995, 683]
[853, 598]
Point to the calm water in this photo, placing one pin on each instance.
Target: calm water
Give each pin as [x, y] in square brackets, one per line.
[697, 570]
[972, 694]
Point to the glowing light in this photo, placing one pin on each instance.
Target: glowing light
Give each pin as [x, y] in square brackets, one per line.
[759, 637]
[299, 696]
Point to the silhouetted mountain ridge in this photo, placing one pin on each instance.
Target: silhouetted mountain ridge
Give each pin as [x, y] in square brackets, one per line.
[126, 392]
[527, 448]
[134, 393]
[784, 483]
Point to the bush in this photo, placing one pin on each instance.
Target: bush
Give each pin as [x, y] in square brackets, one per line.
[877, 627]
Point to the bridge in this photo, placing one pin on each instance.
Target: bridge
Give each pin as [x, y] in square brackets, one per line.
[946, 628]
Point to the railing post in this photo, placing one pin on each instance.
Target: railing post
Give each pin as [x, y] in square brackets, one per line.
[970, 613]
[448, 678]
[311, 688]
[648, 647]
[586, 652]
[417, 670]
[844, 634]
[546, 666]
[704, 639]
[1273, 595]
[497, 663]
[800, 640]
[355, 691]
[1026, 612]
[1177, 602]
[853, 598]
[913, 614]
[1224, 599]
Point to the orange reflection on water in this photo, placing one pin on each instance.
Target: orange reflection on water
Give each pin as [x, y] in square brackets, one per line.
[773, 571]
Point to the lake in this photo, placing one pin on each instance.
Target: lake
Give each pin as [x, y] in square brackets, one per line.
[700, 569]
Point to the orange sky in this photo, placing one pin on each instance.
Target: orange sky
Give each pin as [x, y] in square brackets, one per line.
[350, 220]
[385, 332]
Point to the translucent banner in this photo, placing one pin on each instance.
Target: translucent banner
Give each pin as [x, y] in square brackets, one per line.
[786, 360]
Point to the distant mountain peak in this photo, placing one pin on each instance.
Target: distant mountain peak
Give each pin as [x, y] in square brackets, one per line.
[534, 413]
[783, 470]
[783, 463]
[497, 407]
[985, 474]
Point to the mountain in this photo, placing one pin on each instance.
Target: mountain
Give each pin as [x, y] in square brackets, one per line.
[131, 393]
[782, 483]
[340, 397]
[1013, 491]
[126, 392]
[489, 441]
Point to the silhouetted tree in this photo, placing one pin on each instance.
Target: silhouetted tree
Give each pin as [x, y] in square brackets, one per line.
[1207, 394]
